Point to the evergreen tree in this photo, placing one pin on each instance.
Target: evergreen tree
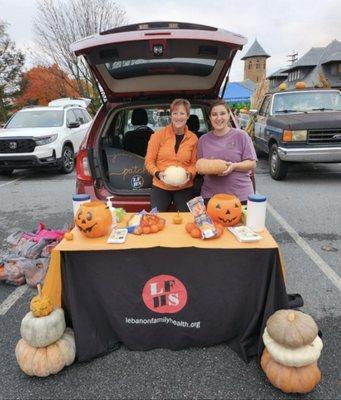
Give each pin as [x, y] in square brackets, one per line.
[11, 63]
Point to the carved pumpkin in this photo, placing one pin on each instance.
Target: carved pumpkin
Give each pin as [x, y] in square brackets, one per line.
[290, 379]
[292, 328]
[298, 357]
[93, 219]
[225, 209]
[41, 305]
[175, 176]
[46, 360]
[210, 167]
[40, 332]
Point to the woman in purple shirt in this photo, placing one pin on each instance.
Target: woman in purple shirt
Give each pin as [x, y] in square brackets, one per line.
[235, 147]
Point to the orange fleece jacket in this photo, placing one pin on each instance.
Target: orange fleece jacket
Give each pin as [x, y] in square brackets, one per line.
[161, 154]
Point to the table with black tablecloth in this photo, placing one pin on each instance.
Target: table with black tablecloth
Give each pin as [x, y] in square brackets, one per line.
[167, 290]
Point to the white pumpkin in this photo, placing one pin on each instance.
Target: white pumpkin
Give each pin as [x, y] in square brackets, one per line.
[48, 360]
[175, 176]
[42, 331]
[289, 357]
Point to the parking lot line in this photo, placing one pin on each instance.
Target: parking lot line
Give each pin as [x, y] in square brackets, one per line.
[321, 264]
[12, 298]
[8, 183]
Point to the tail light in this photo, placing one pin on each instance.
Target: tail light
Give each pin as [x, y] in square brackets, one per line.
[83, 167]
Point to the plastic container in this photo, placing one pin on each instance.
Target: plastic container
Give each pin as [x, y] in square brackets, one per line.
[256, 212]
[112, 210]
[78, 199]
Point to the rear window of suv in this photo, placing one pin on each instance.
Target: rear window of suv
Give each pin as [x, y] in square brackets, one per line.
[36, 119]
[174, 66]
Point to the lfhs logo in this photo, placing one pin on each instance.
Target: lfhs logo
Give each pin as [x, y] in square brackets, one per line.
[164, 294]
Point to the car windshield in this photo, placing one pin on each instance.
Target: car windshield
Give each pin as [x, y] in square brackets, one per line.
[36, 119]
[305, 101]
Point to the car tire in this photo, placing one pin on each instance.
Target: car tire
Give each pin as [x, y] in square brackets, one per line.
[6, 172]
[278, 168]
[68, 160]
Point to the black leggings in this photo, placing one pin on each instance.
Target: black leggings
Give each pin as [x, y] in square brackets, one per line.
[162, 199]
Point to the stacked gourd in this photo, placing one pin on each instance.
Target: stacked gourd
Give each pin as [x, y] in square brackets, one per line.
[47, 346]
[292, 348]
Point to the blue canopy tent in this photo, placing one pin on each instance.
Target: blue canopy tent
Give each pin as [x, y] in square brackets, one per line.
[237, 93]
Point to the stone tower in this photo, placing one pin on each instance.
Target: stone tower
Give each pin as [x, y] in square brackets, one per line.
[255, 63]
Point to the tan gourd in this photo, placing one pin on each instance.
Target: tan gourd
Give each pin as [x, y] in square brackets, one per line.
[40, 332]
[292, 328]
[48, 360]
[206, 166]
[290, 357]
[290, 379]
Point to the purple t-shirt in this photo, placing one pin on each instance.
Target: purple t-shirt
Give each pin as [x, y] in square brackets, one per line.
[236, 146]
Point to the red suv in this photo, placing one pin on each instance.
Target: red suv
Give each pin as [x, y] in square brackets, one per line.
[141, 69]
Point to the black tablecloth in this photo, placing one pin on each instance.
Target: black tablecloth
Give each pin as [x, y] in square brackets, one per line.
[171, 298]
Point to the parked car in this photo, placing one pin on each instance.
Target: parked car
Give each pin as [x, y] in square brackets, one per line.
[300, 125]
[141, 69]
[48, 136]
[243, 119]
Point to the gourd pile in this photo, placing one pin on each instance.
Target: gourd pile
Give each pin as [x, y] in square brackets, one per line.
[47, 346]
[292, 348]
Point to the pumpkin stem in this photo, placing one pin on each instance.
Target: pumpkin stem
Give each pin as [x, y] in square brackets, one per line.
[178, 213]
[39, 289]
[291, 316]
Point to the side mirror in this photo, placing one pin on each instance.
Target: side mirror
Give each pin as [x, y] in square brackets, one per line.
[73, 125]
[253, 112]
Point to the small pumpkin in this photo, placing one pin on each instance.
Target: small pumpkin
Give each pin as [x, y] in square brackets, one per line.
[282, 86]
[68, 235]
[292, 328]
[290, 379]
[300, 85]
[210, 167]
[225, 209]
[93, 219]
[177, 219]
[298, 357]
[40, 332]
[41, 305]
[175, 176]
[47, 360]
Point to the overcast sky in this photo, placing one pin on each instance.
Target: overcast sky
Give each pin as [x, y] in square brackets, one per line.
[279, 26]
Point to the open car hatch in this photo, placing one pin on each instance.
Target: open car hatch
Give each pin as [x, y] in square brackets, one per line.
[160, 59]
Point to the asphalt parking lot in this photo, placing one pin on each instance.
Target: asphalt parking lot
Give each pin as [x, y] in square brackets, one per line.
[304, 217]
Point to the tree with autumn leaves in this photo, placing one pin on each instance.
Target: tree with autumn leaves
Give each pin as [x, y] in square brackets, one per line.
[43, 84]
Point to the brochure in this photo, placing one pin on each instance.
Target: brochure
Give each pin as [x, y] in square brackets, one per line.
[244, 234]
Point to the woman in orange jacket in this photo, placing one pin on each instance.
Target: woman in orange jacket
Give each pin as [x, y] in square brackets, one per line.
[173, 145]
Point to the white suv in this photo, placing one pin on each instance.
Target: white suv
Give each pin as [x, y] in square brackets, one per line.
[47, 136]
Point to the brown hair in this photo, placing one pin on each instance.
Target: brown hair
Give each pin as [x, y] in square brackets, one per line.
[181, 102]
[218, 103]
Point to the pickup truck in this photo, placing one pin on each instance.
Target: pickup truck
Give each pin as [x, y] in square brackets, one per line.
[300, 125]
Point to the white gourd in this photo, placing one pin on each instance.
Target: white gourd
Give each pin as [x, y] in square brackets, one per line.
[290, 357]
[175, 176]
[42, 331]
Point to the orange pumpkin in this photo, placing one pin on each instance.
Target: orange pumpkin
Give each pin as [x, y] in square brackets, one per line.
[225, 209]
[290, 379]
[93, 219]
[300, 85]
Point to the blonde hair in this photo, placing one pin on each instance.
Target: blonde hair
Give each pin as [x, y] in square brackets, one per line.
[181, 102]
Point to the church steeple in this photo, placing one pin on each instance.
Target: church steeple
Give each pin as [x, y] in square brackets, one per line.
[255, 63]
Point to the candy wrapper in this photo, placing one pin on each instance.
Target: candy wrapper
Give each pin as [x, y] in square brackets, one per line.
[197, 208]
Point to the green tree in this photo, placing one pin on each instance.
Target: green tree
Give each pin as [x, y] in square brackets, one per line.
[11, 64]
